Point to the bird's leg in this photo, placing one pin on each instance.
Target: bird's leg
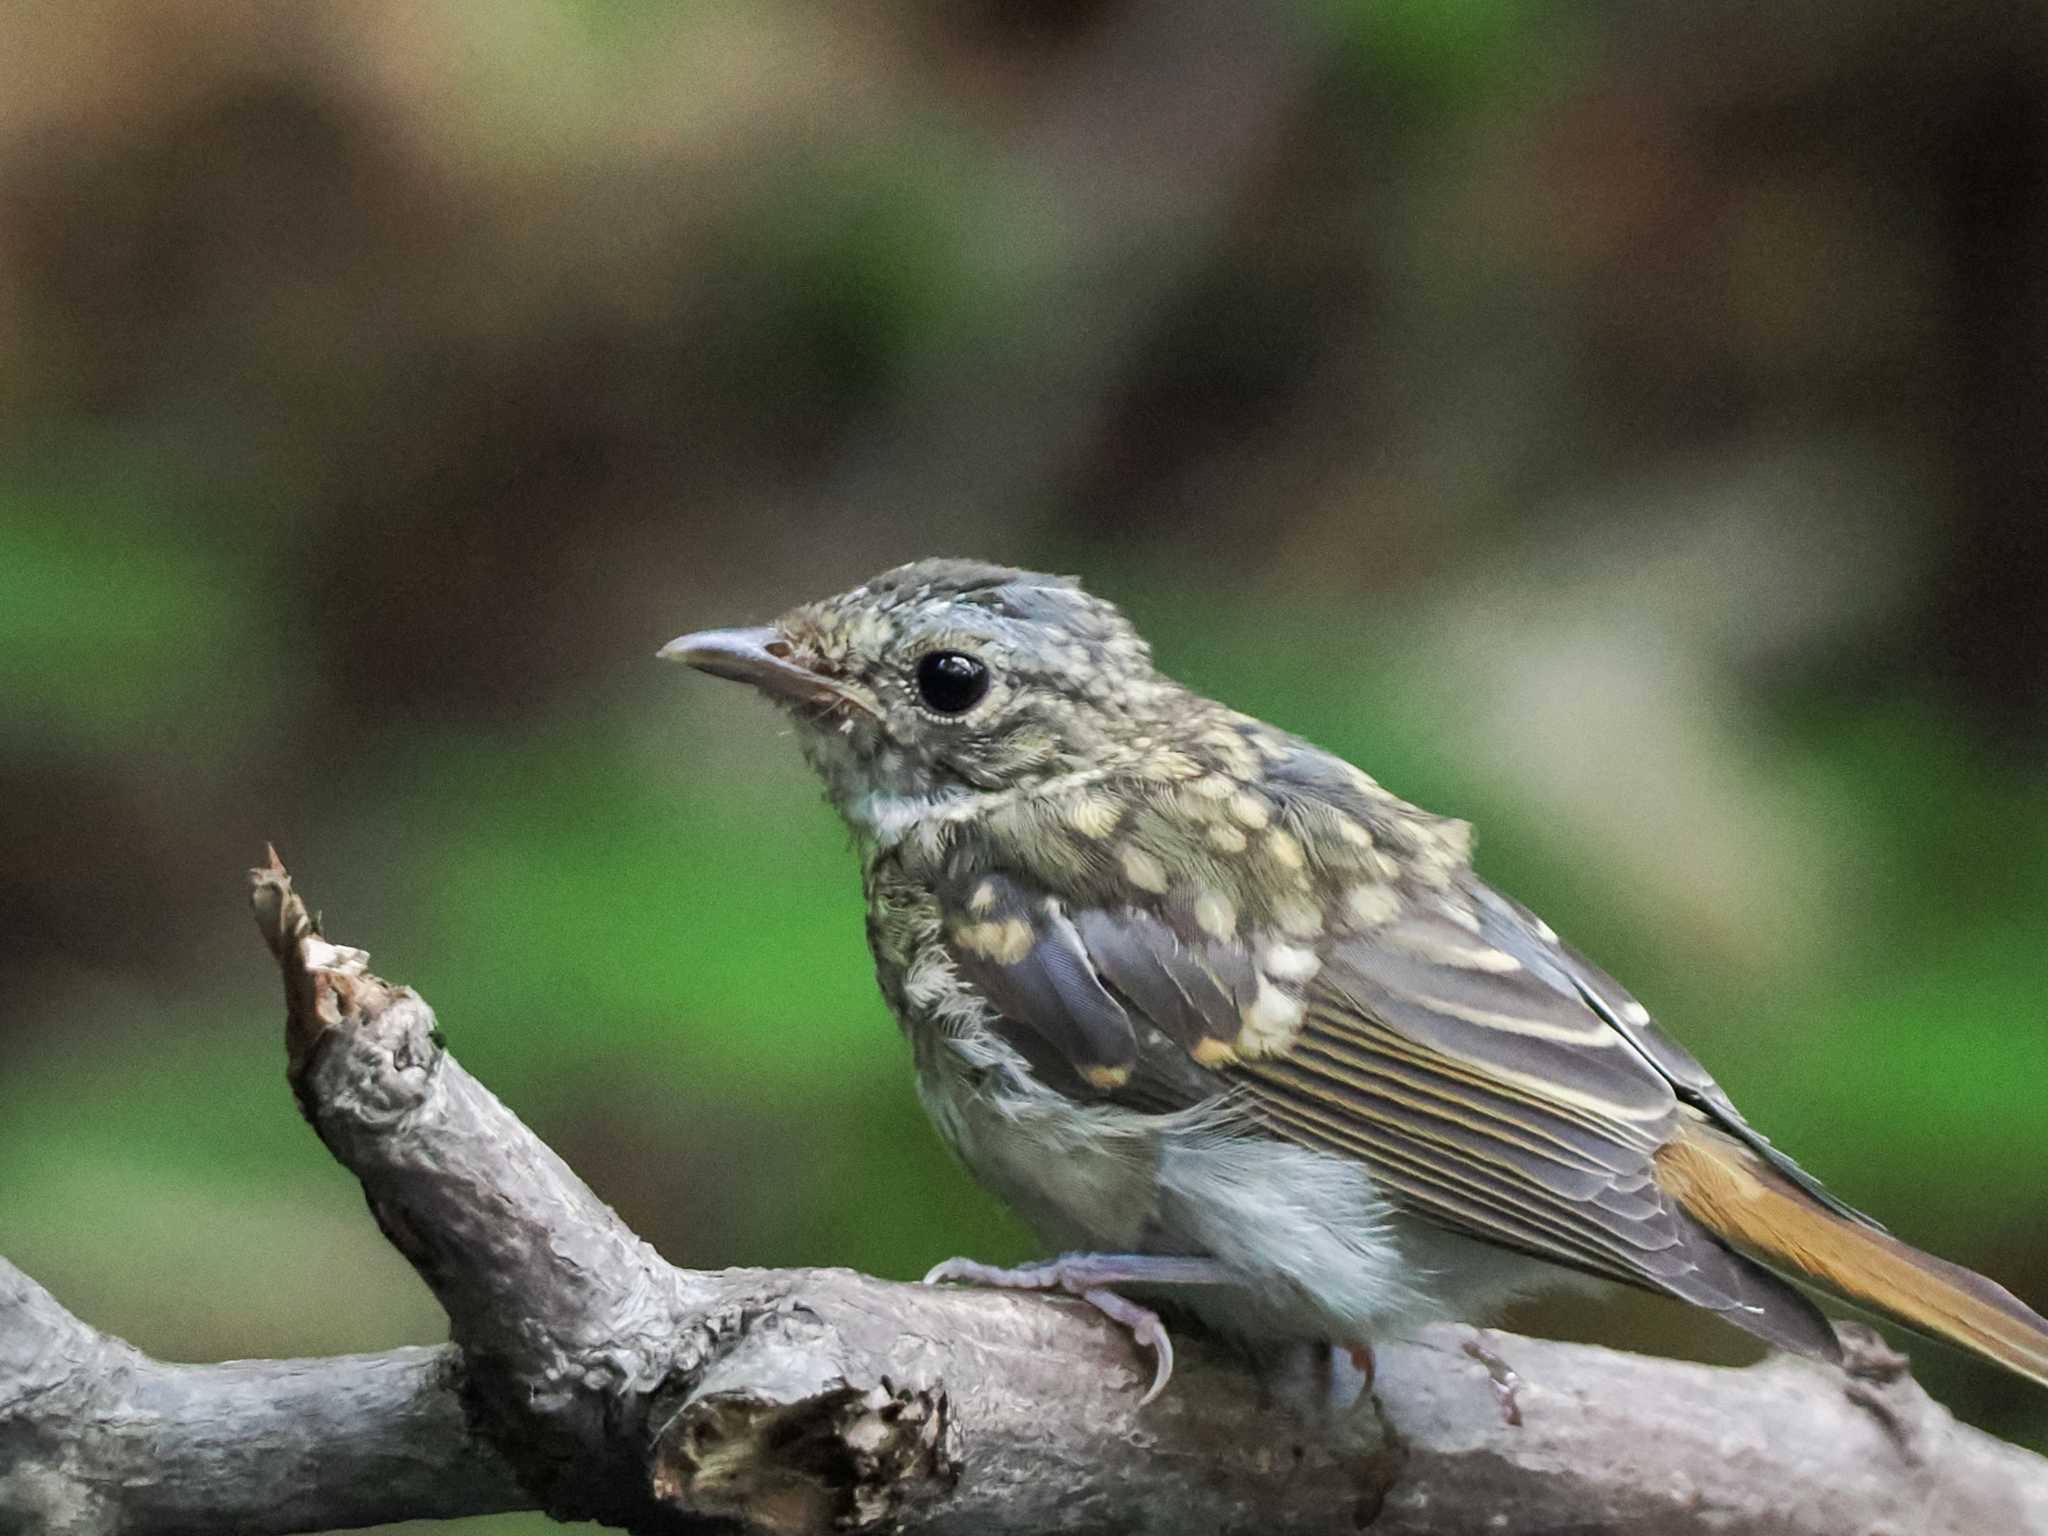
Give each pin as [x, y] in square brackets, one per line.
[1503, 1376]
[1088, 1276]
[1339, 1376]
[1076, 1272]
[1363, 1362]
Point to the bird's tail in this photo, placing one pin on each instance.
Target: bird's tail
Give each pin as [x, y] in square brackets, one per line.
[1731, 1190]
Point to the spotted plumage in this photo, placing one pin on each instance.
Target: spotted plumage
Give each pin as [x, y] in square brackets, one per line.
[1178, 983]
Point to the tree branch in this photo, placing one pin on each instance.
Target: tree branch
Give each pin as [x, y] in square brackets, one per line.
[96, 1436]
[589, 1378]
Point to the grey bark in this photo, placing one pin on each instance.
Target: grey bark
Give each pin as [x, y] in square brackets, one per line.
[95, 1436]
[589, 1378]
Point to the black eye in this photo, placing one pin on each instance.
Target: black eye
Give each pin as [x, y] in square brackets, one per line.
[951, 682]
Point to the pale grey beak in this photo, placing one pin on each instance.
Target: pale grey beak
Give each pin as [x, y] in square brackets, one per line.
[758, 656]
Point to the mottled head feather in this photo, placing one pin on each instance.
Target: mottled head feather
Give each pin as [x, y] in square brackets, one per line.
[1071, 680]
[932, 591]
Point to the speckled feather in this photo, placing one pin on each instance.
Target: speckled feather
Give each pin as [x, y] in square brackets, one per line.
[1179, 982]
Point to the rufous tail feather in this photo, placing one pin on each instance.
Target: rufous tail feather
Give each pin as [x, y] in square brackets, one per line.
[1729, 1189]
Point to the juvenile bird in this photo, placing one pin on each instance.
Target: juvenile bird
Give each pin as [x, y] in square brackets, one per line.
[1213, 1011]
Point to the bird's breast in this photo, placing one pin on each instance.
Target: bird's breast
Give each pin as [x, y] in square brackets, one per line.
[1083, 1176]
[1080, 1174]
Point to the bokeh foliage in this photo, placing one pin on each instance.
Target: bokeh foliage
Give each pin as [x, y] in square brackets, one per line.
[1622, 429]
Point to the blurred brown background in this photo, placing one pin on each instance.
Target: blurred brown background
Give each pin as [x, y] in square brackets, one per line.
[1621, 426]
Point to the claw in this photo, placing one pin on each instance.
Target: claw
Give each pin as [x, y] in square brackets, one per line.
[1088, 1277]
[1146, 1330]
[1506, 1381]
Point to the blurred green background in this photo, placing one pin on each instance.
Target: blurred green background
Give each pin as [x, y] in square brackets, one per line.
[1621, 427]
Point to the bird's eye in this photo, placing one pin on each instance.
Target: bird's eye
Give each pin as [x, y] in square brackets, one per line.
[951, 682]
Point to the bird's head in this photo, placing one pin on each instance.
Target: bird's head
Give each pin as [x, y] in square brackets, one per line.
[946, 679]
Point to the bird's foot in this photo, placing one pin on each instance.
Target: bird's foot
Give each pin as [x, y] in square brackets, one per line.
[1506, 1382]
[1088, 1276]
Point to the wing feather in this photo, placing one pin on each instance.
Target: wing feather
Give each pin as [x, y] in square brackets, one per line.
[1193, 990]
[1506, 1022]
[1457, 1194]
[1490, 1080]
[1520, 932]
[1020, 948]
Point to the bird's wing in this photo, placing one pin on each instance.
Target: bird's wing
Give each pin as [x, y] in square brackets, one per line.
[1512, 927]
[1449, 1046]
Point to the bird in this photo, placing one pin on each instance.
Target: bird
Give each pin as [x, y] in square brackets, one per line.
[1228, 1023]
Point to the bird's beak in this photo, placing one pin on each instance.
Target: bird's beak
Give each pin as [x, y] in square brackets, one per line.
[762, 657]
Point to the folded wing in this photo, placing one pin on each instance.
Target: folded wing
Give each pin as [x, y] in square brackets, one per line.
[1484, 1090]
